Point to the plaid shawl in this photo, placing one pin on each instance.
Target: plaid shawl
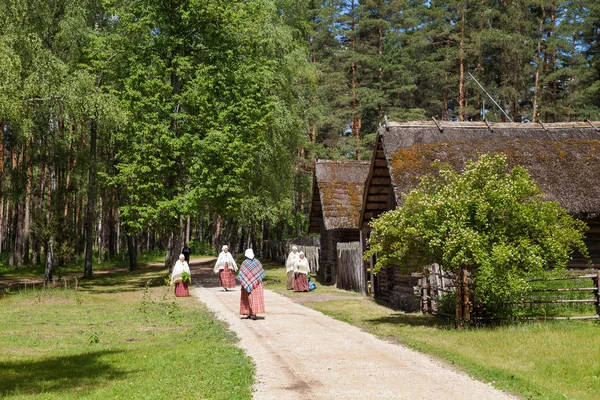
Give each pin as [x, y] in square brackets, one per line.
[251, 274]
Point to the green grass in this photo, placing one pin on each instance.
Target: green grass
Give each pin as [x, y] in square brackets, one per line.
[117, 338]
[542, 360]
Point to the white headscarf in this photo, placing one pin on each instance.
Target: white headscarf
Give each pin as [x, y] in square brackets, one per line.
[302, 265]
[225, 257]
[249, 254]
[290, 263]
[180, 267]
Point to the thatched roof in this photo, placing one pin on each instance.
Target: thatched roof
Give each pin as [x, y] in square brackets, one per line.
[563, 158]
[337, 194]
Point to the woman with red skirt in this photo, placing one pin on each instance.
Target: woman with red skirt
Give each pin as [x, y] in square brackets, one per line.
[252, 299]
[301, 271]
[181, 288]
[225, 267]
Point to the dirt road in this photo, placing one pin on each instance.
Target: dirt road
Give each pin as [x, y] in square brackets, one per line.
[303, 354]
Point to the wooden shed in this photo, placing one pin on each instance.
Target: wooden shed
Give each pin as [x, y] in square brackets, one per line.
[338, 188]
[563, 158]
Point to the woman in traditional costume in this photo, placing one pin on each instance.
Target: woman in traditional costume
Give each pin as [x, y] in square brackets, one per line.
[252, 300]
[301, 271]
[290, 264]
[224, 267]
[181, 288]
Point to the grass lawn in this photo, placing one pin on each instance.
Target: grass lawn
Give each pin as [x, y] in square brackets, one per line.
[117, 337]
[544, 360]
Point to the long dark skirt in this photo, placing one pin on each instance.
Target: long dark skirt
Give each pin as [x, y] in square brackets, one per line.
[290, 280]
[254, 302]
[300, 283]
[181, 289]
[226, 278]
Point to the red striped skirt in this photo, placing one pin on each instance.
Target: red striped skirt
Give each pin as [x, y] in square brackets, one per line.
[301, 283]
[226, 278]
[181, 289]
[254, 302]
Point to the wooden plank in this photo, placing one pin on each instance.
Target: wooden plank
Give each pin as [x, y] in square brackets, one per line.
[381, 163]
[380, 181]
[376, 207]
[558, 301]
[375, 190]
[592, 289]
[381, 198]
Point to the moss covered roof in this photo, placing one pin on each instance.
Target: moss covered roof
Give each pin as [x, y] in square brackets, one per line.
[341, 186]
[563, 158]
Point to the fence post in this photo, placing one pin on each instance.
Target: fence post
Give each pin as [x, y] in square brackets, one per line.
[424, 288]
[597, 285]
[466, 295]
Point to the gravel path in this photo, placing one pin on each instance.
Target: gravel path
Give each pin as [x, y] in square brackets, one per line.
[303, 354]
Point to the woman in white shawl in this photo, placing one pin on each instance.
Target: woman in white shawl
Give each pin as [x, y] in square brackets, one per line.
[301, 271]
[224, 267]
[290, 264]
[181, 288]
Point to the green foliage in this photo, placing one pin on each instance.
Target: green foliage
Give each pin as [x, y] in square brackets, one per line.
[185, 277]
[213, 114]
[487, 219]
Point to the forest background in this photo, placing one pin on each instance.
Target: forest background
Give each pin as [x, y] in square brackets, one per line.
[136, 125]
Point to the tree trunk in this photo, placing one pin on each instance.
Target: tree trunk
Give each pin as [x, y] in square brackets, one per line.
[100, 230]
[188, 227]
[27, 217]
[89, 213]
[49, 269]
[1, 192]
[216, 240]
[356, 123]
[380, 71]
[1, 222]
[175, 246]
[459, 300]
[461, 76]
[18, 250]
[537, 68]
[132, 250]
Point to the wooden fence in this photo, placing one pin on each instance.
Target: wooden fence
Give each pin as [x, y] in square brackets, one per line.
[350, 271]
[543, 301]
[279, 250]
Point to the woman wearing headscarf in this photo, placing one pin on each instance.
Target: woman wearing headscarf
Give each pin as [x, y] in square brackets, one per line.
[252, 299]
[181, 288]
[290, 264]
[301, 271]
[224, 267]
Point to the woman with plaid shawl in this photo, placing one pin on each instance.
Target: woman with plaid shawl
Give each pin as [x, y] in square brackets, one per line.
[252, 300]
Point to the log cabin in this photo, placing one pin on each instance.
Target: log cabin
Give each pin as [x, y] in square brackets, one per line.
[338, 187]
[562, 158]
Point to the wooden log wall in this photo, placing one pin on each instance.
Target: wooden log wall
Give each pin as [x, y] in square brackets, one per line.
[350, 272]
[592, 240]
[398, 288]
[328, 257]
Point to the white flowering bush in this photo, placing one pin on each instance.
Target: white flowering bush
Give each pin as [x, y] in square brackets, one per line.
[488, 219]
